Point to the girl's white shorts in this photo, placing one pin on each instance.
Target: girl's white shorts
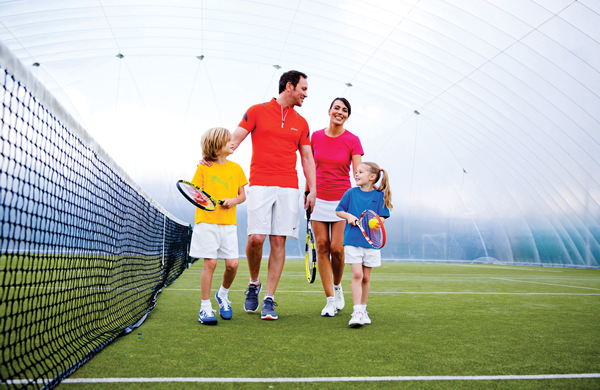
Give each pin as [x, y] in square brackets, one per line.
[210, 241]
[369, 257]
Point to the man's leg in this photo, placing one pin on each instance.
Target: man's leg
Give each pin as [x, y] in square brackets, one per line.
[254, 254]
[254, 251]
[276, 262]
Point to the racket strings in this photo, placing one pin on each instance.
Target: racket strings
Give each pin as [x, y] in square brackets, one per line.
[375, 235]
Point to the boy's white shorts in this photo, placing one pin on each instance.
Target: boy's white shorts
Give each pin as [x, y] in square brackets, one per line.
[273, 211]
[368, 257]
[210, 241]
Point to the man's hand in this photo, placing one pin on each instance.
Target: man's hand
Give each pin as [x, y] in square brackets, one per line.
[309, 201]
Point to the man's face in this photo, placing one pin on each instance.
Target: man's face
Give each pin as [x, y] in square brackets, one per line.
[300, 92]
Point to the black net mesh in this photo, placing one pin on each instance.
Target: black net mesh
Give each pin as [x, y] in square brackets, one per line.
[83, 254]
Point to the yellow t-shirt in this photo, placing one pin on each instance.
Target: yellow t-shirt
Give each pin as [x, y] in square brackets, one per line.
[220, 181]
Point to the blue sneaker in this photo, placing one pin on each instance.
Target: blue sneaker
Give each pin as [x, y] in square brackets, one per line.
[268, 310]
[207, 318]
[225, 310]
[251, 302]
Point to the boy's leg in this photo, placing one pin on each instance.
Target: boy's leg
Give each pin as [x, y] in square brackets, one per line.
[231, 267]
[206, 316]
[208, 270]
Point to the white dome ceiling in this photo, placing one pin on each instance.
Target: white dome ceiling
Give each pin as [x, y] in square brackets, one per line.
[486, 113]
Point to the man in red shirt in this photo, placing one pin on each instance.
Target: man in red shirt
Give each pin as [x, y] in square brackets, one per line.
[278, 131]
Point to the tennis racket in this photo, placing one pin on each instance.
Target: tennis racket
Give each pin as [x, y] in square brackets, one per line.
[197, 196]
[310, 257]
[375, 236]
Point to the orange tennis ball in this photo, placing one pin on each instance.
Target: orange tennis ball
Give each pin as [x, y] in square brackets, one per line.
[374, 224]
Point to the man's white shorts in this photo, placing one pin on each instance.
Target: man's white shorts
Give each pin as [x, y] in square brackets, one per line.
[210, 241]
[368, 257]
[273, 211]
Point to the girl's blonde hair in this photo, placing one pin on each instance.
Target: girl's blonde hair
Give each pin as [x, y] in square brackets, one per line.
[213, 141]
[385, 183]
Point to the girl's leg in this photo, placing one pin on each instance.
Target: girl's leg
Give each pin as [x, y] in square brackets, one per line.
[231, 267]
[206, 278]
[337, 251]
[366, 285]
[357, 279]
[321, 231]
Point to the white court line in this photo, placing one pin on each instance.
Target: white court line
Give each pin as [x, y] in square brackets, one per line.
[407, 292]
[319, 379]
[547, 284]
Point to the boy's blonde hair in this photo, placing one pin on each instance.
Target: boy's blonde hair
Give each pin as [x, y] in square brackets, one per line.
[213, 141]
[380, 173]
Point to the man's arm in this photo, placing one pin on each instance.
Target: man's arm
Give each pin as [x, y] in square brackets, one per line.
[238, 136]
[308, 165]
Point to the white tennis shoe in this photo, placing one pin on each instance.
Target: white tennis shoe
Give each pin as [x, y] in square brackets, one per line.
[356, 320]
[329, 310]
[339, 298]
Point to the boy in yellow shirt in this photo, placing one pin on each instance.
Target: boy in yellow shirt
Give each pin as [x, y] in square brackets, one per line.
[215, 232]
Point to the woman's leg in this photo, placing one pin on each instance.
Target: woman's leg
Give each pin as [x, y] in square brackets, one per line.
[336, 247]
[321, 231]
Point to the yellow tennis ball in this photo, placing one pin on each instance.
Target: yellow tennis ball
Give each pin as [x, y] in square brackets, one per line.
[373, 224]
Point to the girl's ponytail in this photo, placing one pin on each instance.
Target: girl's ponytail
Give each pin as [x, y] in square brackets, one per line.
[385, 183]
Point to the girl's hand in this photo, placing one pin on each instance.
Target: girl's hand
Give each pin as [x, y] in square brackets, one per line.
[352, 220]
[205, 163]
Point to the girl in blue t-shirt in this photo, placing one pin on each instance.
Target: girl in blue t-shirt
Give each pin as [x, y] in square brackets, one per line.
[358, 252]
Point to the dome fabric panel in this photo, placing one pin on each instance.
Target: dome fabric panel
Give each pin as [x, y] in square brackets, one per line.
[484, 113]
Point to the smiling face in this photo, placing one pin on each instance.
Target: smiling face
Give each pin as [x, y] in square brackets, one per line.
[338, 113]
[299, 93]
[364, 176]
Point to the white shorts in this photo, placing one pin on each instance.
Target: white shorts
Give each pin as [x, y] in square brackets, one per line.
[324, 211]
[273, 211]
[210, 241]
[368, 257]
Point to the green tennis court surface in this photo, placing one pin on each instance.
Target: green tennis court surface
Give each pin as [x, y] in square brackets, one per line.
[429, 320]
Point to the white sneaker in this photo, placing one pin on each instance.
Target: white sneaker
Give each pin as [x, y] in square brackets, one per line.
[356, 320]
[329, 310]
[366, 319]
[339, 298]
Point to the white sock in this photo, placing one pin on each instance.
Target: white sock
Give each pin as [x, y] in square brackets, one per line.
[357, 308]
[337, 287]
[364, 307]
[257, 281]
[223, 292]
[272, 296]
[206, 306]
[330, 299]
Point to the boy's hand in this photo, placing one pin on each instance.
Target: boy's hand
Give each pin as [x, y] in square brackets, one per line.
[228, 203]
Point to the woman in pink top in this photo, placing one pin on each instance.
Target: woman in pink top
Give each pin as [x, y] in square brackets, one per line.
[334, 148]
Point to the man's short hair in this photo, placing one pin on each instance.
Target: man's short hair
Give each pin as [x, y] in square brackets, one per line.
[291, 76]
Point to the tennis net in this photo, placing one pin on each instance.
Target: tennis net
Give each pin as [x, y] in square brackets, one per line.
[84, 251]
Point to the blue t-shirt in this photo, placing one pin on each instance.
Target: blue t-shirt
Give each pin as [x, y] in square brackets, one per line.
[355, 201]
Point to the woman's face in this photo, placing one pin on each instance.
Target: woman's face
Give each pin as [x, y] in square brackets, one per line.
[338, 113]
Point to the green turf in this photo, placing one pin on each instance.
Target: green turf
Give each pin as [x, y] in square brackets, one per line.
[428, 320]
